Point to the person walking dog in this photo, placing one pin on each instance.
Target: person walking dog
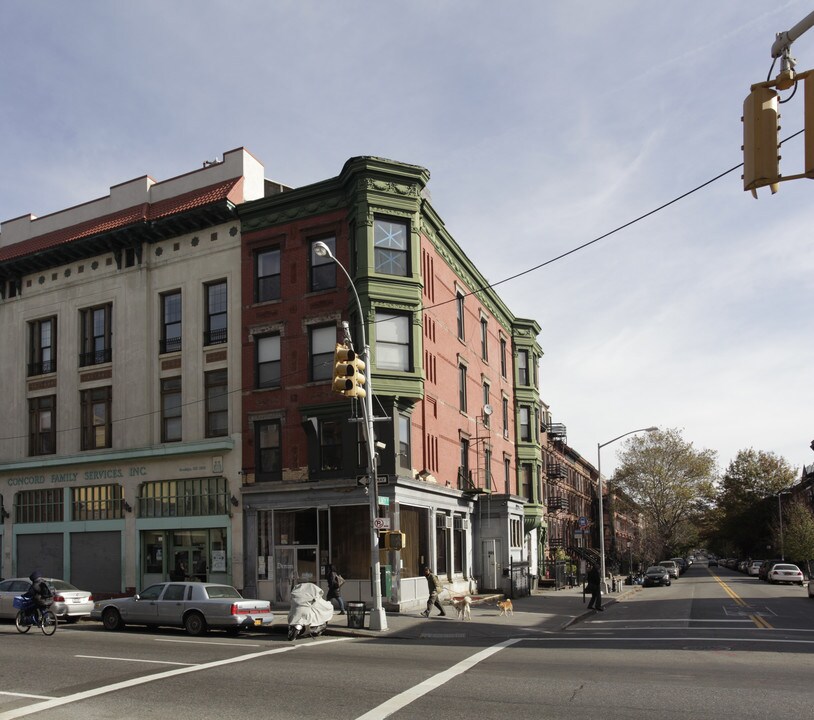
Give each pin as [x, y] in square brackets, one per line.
[434, 586]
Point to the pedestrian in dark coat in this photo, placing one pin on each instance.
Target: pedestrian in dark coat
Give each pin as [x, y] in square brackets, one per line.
[594, 586]
[335, 588]
[434, 586]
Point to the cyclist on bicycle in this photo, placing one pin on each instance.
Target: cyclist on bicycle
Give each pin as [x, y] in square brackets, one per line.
[39, 592]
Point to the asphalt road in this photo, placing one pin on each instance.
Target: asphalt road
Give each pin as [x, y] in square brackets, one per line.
[716, 644]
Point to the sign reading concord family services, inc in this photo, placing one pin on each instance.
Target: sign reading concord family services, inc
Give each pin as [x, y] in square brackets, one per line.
[62, 478]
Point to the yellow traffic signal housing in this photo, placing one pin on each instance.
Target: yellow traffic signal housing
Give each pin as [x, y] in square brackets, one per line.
[808, 117]
[761, 159]
[395, 540]
[349, 373]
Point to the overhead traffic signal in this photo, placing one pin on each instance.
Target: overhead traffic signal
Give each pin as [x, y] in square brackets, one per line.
[761, 157]
[349, 373]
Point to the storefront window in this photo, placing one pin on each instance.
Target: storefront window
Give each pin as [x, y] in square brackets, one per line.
[185, 554]
[441, 537]
[350, 540]
[414, 523]
[296, 527]
[458, 544]
[153, 560]
[37, 506]
[184, 498]
[264, 545]
[96, 502]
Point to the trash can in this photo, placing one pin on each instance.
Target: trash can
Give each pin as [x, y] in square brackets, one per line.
[356, 615]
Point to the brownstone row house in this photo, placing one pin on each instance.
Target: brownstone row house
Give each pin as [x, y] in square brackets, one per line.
[169, 359]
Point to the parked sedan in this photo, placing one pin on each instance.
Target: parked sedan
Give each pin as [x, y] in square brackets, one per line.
[765, 566]
[672, 568]
[656, 575]
[70, 603]
[754, 567]
[785, 573]
[195, 606]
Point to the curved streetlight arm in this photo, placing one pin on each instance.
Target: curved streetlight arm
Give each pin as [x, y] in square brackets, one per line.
[649, 429]
[378, 618]
[599, 447]
[321, 249]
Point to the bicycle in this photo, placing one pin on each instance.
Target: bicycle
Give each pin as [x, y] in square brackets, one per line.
[30, 615]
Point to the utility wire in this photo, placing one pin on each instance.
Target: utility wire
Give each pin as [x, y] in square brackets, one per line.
[487, 286]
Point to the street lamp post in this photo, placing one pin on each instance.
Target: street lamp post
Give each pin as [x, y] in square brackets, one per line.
[599, 447]
[780, 517]
[378, 619]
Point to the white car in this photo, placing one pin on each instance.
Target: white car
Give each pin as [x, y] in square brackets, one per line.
[70, 603]
[754, 567]
[785, 573]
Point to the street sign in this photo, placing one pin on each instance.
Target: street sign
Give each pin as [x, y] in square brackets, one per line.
[583, 522]
[381, 523]
[383, 500]
[580, 533]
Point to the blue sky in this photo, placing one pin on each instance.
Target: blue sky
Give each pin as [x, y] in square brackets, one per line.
[544, 125]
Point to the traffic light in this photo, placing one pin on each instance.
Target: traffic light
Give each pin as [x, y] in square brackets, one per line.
[349, 373]
[761, 159]
[808, 116]
[394, 540]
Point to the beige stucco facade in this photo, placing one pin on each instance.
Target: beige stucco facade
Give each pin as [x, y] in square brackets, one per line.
[129, 282]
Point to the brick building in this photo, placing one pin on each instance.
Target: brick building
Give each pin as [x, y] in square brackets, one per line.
[455, 394]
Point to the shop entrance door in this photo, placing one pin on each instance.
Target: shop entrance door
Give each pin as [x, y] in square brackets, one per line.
[294, 565]
[187, 563]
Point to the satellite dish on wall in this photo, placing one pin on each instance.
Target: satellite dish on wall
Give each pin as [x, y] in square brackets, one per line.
[487, 410]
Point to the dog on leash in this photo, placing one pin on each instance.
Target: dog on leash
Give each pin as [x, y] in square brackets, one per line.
[463, 607]
[505, 607]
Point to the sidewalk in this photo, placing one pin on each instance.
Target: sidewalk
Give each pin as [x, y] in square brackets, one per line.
[542, 611]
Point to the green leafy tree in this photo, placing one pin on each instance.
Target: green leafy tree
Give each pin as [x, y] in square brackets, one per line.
[744, 518]
[798, 532]
[671, 481]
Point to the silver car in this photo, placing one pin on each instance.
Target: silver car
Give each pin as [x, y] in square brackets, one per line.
[195, 606]
[672, 568]
[70, 603]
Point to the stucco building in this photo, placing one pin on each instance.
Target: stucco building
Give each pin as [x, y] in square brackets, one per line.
[121, 364]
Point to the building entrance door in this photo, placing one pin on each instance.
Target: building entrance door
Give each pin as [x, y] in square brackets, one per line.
[188, 563]
[294, 565]
[490, 563]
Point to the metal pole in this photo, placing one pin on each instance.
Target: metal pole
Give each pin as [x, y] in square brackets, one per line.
[601, 515]
[378, 619]
[780, 515]
[599, 447]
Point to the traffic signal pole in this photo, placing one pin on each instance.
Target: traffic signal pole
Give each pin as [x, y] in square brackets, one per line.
[378, 619]
[761, 142]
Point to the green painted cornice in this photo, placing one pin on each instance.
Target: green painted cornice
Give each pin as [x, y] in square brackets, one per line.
[525, 332]
[362, 179]
[533, 516]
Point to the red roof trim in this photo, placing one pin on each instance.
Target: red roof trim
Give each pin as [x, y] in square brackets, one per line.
[231, 190]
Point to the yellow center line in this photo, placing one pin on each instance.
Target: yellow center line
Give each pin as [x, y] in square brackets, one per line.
[756, 619]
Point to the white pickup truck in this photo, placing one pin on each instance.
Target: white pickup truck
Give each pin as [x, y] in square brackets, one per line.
[196, 606]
